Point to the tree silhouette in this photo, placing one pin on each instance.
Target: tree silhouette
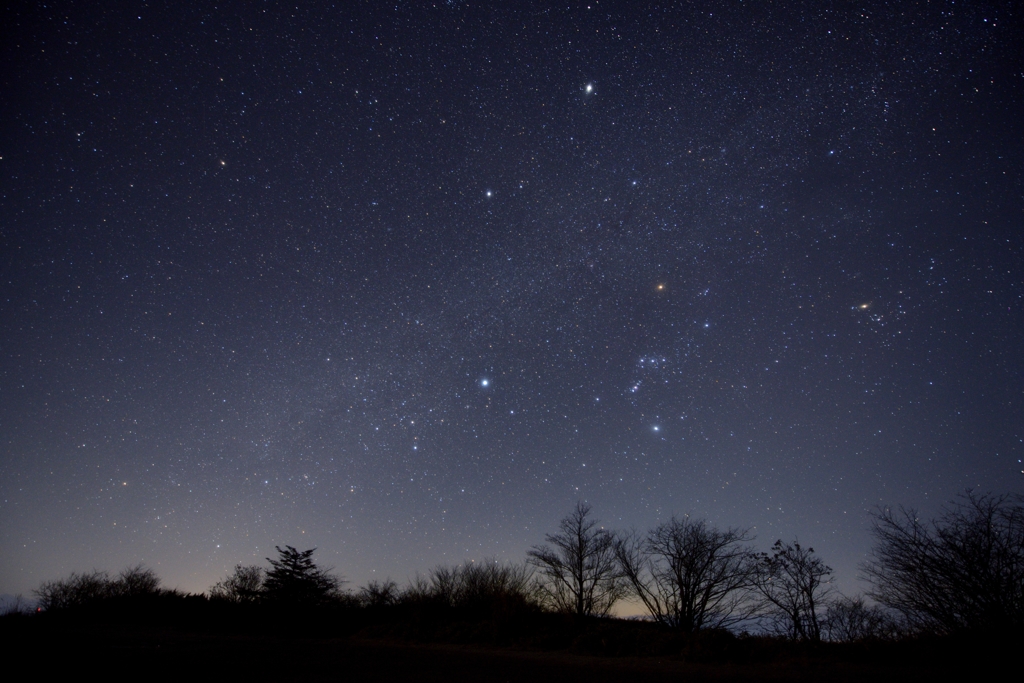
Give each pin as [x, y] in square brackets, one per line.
[79, 590]
[135, 581]
[850, 620]
[578, 570]
[795, 584]
[245, 584]
[482, 584]
[380, 593]
[690, 575]
[964, 570]
[295, 580]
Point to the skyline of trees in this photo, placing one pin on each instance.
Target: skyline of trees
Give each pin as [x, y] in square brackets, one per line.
[961, 571]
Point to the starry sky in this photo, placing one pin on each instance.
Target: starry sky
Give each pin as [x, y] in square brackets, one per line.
[405, 281]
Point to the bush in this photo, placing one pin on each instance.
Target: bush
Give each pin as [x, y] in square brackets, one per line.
[81, 590]
[380, 594]
[15, 608]
[245, 584]
[962, 571]
[852, 620]
[487, 584]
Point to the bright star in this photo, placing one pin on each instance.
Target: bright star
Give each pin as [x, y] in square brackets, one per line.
[484, 382]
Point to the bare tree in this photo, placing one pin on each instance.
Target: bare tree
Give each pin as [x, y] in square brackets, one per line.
[79, 590]
[480, 584]
[964, 570]
[135, 581]
[245, 584]
[490, 580]
[380, 593]
[577, 566]
[76, 590]
[418, 590]
[795, 585]
[690, 575]
[15, 608]
[445, 584]
[849, 620]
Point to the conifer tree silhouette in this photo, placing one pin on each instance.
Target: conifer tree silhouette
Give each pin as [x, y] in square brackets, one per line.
[295, 580]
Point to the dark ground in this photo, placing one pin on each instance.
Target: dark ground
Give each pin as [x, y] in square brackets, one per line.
[154, 654]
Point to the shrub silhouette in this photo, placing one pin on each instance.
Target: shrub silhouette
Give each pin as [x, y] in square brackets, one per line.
[77, 590]
[852, 620]
[962, 571]
[483, 585]
[244, 585]
[16, 608]
[81, 590]
[134, 582]
[380, 594]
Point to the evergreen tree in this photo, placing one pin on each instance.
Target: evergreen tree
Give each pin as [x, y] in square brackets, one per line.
[295, 580]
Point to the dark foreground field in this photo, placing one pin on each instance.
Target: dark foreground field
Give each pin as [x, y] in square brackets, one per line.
[148, 653]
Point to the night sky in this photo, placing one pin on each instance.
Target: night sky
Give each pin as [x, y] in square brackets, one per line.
[405, 281]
